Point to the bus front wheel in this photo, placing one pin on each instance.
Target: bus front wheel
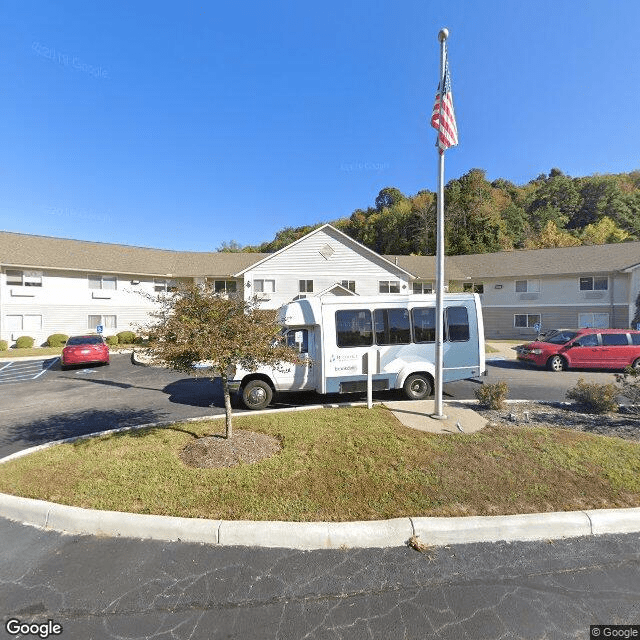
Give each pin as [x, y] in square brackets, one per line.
[257, 394]
[417, 387]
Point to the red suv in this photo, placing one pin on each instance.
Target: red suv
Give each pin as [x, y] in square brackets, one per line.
[583, 348]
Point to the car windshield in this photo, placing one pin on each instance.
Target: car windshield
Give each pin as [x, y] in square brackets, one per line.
[84, 340]
[558, 337]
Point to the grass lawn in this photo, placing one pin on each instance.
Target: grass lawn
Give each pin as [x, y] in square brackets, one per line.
[338, 464]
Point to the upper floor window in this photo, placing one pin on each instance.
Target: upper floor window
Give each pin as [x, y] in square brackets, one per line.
[264, 286]
[389, 286]
[527, 286]
[473, 287]
[225, 286]
[423, 287]
[306, 286]
[163, 286]
[592, 283]
[349, 284]
[103, 282]
[17, 278]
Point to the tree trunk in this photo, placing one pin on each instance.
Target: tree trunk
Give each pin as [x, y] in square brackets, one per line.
[227, 406]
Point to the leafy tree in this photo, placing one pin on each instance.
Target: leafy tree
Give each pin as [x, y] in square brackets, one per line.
[196, 324]
[550, 237]
[388, 197]
[603, 232]
[229, 247]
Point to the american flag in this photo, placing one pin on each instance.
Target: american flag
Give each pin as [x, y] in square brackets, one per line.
[443, 117]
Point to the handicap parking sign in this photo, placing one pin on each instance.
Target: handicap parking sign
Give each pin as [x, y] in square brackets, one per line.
[99, 329]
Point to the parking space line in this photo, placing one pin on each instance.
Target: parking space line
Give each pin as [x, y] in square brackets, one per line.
[26, 370]
[6, 366]
[48, 367]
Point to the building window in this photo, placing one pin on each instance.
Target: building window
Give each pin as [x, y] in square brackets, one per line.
[16, 278]
[527, 286]
[593, 320]
[389, 286]
[353, 328]
[225, 286]
[107, 322]
[392, 326]
[591, 283]
[264, 286]
[103, 282]
[163, 286]
[526, 320]
[473, 287]
[349, 284]
[306, 286]
[18, 323]
[423, 287]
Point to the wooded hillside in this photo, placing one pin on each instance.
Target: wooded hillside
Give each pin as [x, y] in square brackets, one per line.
[553, 210]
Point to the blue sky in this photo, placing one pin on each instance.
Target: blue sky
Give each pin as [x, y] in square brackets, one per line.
[183, 125]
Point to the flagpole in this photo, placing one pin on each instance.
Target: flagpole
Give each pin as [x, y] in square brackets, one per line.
[438, 408]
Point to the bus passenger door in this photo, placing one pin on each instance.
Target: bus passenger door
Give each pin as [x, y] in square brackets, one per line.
[299, 376]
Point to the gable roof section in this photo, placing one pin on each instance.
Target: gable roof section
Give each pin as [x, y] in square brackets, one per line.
[23, 250]
[340, 236]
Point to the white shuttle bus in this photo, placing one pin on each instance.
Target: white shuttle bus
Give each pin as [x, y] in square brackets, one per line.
[339, 337]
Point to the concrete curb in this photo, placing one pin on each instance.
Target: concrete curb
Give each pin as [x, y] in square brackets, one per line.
[308, 535]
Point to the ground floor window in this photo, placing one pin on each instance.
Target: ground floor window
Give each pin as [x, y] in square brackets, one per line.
[264, 286]
[526, 320]
[164, 286]
[225, 286]
[306, 286]
[23, 323]
[107, 322]
[593, 320]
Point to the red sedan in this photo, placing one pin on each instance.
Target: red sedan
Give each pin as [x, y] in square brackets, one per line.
[85, 350]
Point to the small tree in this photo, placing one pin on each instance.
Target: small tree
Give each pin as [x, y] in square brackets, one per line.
[196, 324]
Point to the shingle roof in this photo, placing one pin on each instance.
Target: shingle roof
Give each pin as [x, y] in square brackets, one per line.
[59, 253]
[601, 258]
[424, 267]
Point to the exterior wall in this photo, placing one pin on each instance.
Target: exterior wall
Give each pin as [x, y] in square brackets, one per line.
[65, 301]
[634, 291]
[304, 261]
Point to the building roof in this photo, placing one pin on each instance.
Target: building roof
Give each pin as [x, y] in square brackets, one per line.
[31, 251]
[597, 258]
[23, 250]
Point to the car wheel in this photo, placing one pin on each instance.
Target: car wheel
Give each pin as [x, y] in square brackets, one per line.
[257, 394]
[636, 365]
[556, 363]
[417, 387]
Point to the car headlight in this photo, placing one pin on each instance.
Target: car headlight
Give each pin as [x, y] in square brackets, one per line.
[536, 351]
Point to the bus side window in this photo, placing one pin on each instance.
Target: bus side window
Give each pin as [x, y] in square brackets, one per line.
[457, 324]
[392, 326]
[424, 324]
[299, 340]
[354, 328]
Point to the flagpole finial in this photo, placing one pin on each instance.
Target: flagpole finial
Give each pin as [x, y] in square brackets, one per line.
[443, 35]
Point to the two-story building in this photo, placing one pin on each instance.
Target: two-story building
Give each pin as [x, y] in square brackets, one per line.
[54, 285]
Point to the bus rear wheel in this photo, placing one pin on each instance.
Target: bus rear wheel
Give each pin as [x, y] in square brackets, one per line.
[417, 386]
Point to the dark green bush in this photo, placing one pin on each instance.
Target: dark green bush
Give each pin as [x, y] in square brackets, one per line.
[24, 342]
[492, 394]
[112, 341]
[57, 340]
[4, 345]
[594, 397]
[126, 337]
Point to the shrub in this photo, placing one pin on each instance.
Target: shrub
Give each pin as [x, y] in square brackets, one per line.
[4, 345]
[493, 394]
[57, 340]
[112, 341]
[126, 337]
[628, 384]
[24, 342]
[594, 397]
